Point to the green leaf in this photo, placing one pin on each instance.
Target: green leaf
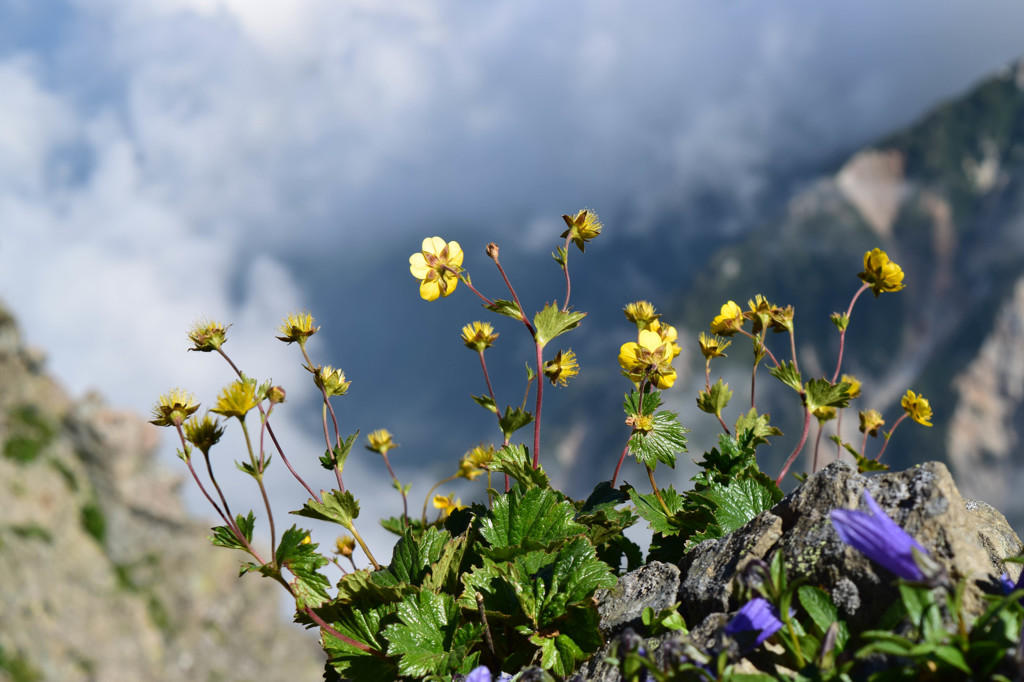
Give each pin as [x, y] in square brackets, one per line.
[302, 559]
[575, 575]
[664, 620]
[515, 461]
[558, 654]
[358, 589]
[864, 464]
[506, 308]
[818, 605]
[551, 322]
[486, 402]
[636, 405]
[650, 509]
[223, 536]
[715, 400]
[788, 374]
[412, 557]
[365, 626]
[754, 429]
[519, 522]
[665, 438]
[560, 256]
[445, 571]
[823, 393]
[429, 638]
[337, 507]
[398, 525]
[741, 500]
[513, 420]
[343, 450]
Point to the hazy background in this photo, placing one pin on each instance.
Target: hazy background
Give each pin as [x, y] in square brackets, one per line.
[163, 160]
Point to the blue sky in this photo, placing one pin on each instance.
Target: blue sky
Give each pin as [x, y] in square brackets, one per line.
[161, 160]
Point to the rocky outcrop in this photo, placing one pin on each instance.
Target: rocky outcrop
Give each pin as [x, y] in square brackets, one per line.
[873, 182]
[105, 575]
[968, 539]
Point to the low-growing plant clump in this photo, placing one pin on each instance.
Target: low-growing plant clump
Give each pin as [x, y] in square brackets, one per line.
[504, 587]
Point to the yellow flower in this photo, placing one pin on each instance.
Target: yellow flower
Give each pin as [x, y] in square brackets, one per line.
[297, 327]
[583, 227]
[712, 346]
[203, 433]
[649, 356]
[763, 314]
[447, 504]
[380, 441]
[667, 333]
[174, 407]
[237, 398]
[345, 546]
[331, 380]
[207, 335]
[881, 273]
[641, 313]
[562, 368]
[870, 422]
[478, 336]
[436, 267]
[854, 390]
[306, 540]
[473, 462]
[824, 413]
[729, 321]
[917, 407]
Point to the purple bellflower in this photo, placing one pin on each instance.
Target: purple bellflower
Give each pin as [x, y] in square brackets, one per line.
[879, 538]
[757, 615]
[483, 674]
[1009, 586]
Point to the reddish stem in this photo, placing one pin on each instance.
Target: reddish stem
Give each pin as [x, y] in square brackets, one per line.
[797, 449]
[842, 332]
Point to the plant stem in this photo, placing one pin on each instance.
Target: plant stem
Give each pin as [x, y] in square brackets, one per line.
[405, 500]
[842, 332]
[622, 457]
[540, 399]
[426, 499]
[817, 445]
[565, 269]
[889, 435]
[799, 446]
[258, 475]
[657, 493]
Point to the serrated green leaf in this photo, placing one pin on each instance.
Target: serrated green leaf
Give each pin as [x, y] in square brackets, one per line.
[715, 400]
[398, 525]
[513, 420]
[429, 639]
[552, 321]
[364, 625]
[359, 590]
[823, 393]
[558, 654]
[337, 507]
[223, 536]
[665, 438]
[301, 558]
[445, 571]
[636, 405]
[754, 429]
[741, 500]
[412, 557]
[788, 374]
[522, 521]
[343, 450]
[650, 509]
[575, 574]
[515, 461]
[865, 465]
[560, 256]
[506, 308]
[486, 402]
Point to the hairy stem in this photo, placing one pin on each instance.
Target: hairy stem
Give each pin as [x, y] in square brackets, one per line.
[799, 446]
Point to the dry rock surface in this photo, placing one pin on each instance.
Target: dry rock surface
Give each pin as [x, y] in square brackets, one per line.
[105, 575]
[969, 539]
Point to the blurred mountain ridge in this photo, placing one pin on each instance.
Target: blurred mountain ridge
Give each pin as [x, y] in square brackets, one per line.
[106, 576]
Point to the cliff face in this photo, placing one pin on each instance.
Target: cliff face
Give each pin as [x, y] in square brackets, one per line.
[105, 576]
[945, 199]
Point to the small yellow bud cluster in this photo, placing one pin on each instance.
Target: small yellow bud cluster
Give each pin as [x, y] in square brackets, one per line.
[651, 355]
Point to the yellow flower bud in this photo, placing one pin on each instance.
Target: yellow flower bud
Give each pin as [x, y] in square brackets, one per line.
[583, 227]
[478, 336]
[345, 546]
[203, 433]
[729, 320]
[380, 441]
[881, 273]
[641, 313]
[854, 390]
[297, 327]
[207, 335]
[870, 422]
[712, 346]
[237, 399]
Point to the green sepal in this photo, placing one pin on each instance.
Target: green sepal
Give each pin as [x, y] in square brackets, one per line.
[551, 322]
[840, 320]
[506, 308]
[223, 536]
[515, 461]
[303, 560]
[337, 507]
[486, 402]
[665, 438]
[429, 639]
[715, 400]
[788, 374]
[823, 393]
[514, 419]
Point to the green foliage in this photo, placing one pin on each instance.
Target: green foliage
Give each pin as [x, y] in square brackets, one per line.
[551, 322]
[30, 432]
